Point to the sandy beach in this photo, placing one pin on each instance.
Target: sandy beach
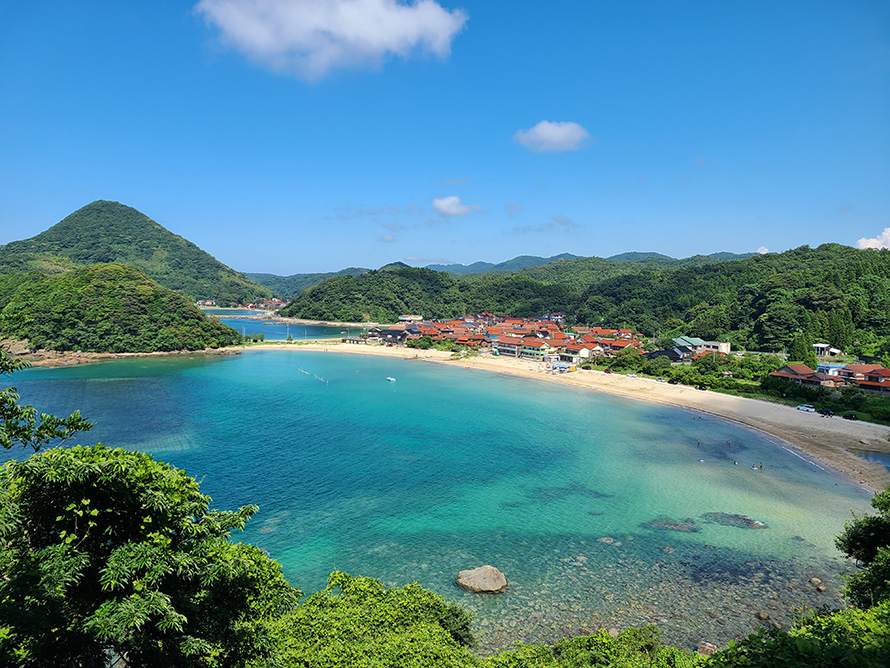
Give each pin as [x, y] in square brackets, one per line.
[826, 441]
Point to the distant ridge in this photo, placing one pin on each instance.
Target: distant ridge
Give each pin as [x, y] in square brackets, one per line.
[516, 264]
[290, 287]
[667, 260]
[105, 231]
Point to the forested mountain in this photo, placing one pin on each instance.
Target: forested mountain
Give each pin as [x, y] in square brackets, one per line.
[288, 287]
[382, 295]
[833, 293]
[516, 264]
[104, 308]
[104, 232]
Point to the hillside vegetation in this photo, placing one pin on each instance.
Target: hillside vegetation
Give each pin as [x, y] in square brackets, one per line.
[833, 293]
[110, 232]
[104, 308]
[382, 295]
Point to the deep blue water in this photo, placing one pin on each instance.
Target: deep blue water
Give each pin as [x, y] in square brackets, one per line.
[450, 468]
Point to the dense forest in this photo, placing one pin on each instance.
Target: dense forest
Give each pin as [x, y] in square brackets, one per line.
[104, 308]
[109, 232]
[833, 293]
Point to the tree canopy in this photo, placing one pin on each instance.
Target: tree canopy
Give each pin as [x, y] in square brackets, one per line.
[105, 308]
[109, 553]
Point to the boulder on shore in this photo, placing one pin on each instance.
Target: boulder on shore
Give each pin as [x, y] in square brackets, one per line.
[483, 579]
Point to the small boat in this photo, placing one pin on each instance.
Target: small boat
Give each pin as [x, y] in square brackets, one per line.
[390, 379]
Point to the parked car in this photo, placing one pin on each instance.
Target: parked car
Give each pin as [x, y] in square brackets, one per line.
[850, 416]
[608, 371]
[826, 412]
[806, 408]
[661, 380]
[631, 375]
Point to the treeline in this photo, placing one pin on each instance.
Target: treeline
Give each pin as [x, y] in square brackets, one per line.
[834, 294]
[104, 308]
[110, 232]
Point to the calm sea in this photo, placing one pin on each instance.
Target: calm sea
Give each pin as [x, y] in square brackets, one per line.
[600, 510]
[279, 331]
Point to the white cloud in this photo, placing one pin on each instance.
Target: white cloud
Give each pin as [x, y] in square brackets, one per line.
[763, 250]
[553, 137]
[451, 206]
[513, 208]
[309, 38]
[386, 238]
[880, 241]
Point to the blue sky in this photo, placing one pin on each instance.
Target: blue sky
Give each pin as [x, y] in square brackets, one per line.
[296, 136]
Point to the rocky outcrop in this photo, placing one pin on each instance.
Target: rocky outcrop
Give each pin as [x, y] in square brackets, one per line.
[706, 648]
[487, 579]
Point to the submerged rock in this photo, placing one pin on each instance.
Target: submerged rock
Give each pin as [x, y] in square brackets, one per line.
[731, 520]
[486, 579]
[668, 524]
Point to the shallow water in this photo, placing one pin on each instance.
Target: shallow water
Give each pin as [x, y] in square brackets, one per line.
[451, 468]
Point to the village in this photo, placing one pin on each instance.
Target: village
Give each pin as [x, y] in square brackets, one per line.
[552, 347]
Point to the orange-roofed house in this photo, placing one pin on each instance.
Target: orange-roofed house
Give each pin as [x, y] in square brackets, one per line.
[797, 373]
[857, 372]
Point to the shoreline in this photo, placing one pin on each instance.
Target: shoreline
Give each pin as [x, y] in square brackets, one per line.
[824, 442]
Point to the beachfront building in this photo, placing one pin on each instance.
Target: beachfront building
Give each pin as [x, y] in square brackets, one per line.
[507, 345]
[575, 353]
[534, 349]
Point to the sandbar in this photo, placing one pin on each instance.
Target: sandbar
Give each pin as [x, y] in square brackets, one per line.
[828, 442]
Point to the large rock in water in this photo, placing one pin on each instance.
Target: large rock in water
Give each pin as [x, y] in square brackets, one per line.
[485, 579]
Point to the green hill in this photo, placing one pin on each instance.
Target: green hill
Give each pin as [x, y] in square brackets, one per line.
[104, 308]
[104, 232]
[383, 295]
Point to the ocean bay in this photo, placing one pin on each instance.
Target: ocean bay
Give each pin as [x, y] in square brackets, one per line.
[450, 468]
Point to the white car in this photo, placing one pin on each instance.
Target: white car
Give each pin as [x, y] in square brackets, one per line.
[806, 408]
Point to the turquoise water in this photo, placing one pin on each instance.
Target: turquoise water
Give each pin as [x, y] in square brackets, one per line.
[569, 492]
[278, 331]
